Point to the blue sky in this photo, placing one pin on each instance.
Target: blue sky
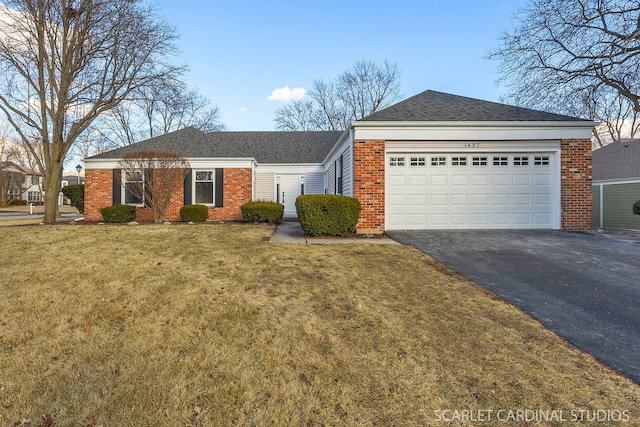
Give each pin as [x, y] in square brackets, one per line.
[239, 52]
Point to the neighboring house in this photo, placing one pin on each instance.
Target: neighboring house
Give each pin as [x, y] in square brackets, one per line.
[32, 186]
[616, 185]
[11, 176]
[20, 182]
[433, 161]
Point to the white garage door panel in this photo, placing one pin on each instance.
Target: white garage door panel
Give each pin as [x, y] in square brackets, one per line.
[509, 190]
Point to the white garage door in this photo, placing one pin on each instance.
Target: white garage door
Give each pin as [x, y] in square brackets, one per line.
[457, 190]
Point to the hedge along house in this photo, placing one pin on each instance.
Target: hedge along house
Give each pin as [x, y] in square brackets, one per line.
[616, 185]
[433, 161]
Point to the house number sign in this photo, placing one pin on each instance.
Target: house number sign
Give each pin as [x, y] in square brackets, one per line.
[472, 145]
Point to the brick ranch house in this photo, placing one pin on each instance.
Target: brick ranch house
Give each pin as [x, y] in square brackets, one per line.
[432, 161]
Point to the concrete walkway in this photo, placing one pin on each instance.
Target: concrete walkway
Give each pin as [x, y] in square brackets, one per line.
[290, 232]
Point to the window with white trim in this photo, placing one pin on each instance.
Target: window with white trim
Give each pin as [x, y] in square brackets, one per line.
[541, 160]
[203, 187]
[34, 196]
[521, 161]
[479, 161]
[133, 182]
[438, 161]
[459, 161]
[396, 161]
[500, 161]
[418, 161]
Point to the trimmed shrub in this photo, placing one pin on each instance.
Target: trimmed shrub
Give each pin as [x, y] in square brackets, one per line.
[262, 211]
[119, 213]
[636, 208]
[76, 194]
[194, 213]
[327, 214]
[17, 202]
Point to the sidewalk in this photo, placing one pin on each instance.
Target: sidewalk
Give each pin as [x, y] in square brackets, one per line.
[290, 232]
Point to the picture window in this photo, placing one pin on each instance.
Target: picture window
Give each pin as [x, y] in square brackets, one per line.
[204, 187]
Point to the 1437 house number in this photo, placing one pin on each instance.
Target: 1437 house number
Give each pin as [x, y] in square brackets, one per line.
[472, 145]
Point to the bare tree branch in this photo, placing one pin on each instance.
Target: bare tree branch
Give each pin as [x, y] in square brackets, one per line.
[578, 57]
[332, 105]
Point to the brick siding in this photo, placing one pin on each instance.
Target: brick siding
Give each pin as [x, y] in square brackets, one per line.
[237, 191]
[98, 192]
[575, 186]
[368, 186]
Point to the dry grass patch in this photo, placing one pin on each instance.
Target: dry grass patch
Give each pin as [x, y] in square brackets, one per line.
[211, 325]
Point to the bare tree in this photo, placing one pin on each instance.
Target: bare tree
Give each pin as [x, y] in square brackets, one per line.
[63, 63]
[151, 178]
[568, 55]
[155, 111]
[332, 105]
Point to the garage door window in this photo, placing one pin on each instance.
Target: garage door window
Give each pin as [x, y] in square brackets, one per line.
[521, 161]
[418, 161]
[396, 161]
[438, 161]
[458, 161]
[500, 161]
[479, 161]
[541, 160]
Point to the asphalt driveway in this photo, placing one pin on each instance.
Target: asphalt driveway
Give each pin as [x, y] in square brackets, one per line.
[584, 287]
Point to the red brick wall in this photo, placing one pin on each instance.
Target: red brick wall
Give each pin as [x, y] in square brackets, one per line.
[98, 192]
[575, 192]
[237, 191]
[368, 175]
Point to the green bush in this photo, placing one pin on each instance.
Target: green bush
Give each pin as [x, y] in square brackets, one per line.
[262, 211]
[328, 215]
[636, 208]
[119, 213]
[194, 213]
[76, 194]
[16, 202]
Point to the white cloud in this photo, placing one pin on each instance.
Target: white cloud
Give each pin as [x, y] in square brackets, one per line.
[285, 94]
[242, 109]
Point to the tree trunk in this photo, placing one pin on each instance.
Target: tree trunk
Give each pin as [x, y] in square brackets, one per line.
[52, 185]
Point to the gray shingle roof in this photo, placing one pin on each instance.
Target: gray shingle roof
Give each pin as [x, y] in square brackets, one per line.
[265, 147]
[619, 160]
[432, 106]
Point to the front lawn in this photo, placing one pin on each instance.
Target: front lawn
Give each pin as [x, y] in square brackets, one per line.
[211, 325]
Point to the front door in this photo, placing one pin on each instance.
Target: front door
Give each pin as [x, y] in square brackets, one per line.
[288, 188]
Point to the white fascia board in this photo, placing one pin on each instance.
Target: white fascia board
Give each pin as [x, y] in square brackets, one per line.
[221, 162]
[616, 181]
[472, 131]
[344, 136]
[289, 168]
[196, 163]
